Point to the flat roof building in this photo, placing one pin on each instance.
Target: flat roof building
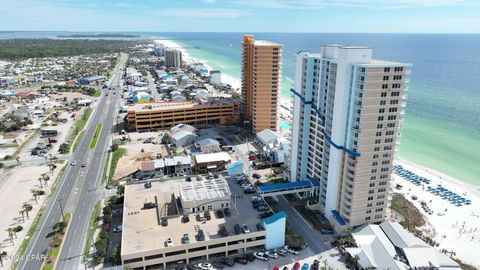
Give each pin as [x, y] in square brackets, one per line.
[160, 115]
[261, 78]
[152, 215]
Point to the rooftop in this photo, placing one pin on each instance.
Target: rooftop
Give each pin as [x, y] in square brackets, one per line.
[165, 106]
[142, 231]
[266, 43]
[205, 158]
[206, 189]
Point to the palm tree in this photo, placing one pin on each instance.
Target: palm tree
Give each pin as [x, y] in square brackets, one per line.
[41, 183]
[18, 160]
[52, 167]
[23, 215]
[27, 208]
[3, 254]
[35, 195]
[10, 234]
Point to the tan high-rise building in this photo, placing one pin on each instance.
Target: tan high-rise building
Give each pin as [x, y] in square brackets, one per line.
[348, 111]
[261, 77]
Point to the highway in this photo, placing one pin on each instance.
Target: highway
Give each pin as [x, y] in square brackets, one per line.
[80, 188]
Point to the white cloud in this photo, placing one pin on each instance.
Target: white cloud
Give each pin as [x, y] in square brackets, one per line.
[203, 12]
[315, 4]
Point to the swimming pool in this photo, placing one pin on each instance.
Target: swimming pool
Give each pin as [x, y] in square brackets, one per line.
[285, 125]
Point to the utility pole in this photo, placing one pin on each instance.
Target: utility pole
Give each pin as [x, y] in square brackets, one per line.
[61, 209]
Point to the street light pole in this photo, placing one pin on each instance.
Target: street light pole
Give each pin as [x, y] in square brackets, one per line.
[61, 209]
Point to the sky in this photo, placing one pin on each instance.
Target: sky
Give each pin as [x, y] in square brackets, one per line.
[339, 16]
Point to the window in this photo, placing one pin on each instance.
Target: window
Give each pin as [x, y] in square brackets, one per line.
[384, 86]
[381, 190]
[385, 78]
[369, 204]
[379, 126]
[380, 118]
[388, 140]
[393, 101]
[387, 69]
[379, 210]
[368, 211]
[397, 69]
[372, 184]
[371, 191]
[392, 109]
[152, 257]
[367, 218]
[370, 198]
[374, 163]
[379, 133]
[383, 94]
[383, 102]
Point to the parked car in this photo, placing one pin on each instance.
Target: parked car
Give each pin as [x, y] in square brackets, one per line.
[223, 232]
[219, 214]
[250, 257]
[262, 208]
[186, 239]
[169, 242]
[73, 163]
[117, 229]
[256, 176]
[238, 229]
[291, 250]
[245, 228]
[261, 256]
[260, 227]
[200, 235]
[296, 266]
[252, 158]
[205, 266]
[227, 212]
[217, 265]
[272, 254]
[228, 261]
[285, 268]
[207, 215]
[83, 165]
[241, 260]
[185, 219]
[281, 251]
[315, 265]
[164, 222]
[305, 266]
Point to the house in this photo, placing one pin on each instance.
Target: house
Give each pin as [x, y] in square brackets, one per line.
[84, 102]
[182, 135]
[180, 165]
[274, 146]
[207, 145]
[212, 161]
[390, 246]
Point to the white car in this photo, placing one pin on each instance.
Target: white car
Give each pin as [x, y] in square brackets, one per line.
[272, 254]
[205, 266]
[261, 256]
[245, 228]
[287, 248]
[281, 251]
[73, 163]
[169, 242]
[118, 228]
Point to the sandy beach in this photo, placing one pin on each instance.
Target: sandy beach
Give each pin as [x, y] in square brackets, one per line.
[456, 228]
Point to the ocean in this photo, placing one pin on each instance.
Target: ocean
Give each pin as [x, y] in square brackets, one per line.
[442, 121]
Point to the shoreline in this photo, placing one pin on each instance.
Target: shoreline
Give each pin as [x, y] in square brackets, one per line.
[236, 84]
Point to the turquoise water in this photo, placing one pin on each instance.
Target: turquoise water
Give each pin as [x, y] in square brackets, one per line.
[285, 125]
[442, 124]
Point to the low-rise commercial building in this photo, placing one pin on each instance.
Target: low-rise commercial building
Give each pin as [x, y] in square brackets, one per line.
[159, 232]
[178, 165]
[390, 246]
[212, 161]
[154, 116]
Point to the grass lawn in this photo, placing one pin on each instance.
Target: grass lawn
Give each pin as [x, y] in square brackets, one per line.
[113, 165]
[98, 130]
[93, 226]
[78, 140]
[413, 217]
[80, 124]
[97, 94]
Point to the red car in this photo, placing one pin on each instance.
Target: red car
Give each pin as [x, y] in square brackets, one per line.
[296, 266]
[256, 176]
[252, 158]
[241, 260]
